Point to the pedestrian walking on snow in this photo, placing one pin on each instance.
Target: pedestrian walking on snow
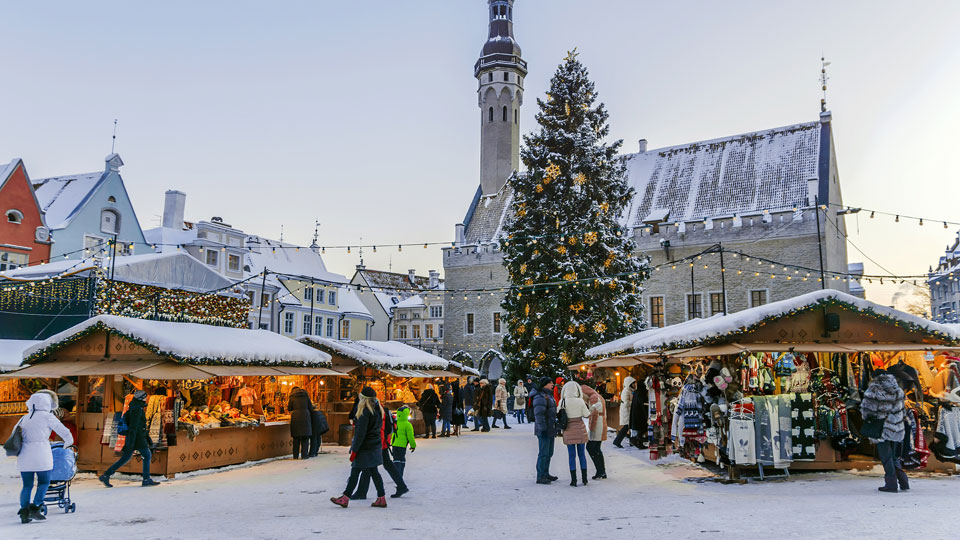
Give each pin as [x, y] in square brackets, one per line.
[301, 421]
[626, 402]
[459, 416]
[137, 439]
[575, 433]
[596, 428]
[470, 400]
[35, 459]
[530, 388]
[883, 401]
[483, 404]
[366, 452]
[545, 428]
[520, 401]
[402, 439]
[500, 403]
[386, 435]
[429, 405]
[446, 410]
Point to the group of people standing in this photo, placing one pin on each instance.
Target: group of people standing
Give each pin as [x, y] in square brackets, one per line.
[579, 417]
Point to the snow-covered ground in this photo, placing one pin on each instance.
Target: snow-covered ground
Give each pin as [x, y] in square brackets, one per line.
[482, 486]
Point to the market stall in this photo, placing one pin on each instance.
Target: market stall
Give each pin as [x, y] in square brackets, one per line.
[217, 395]
[779, 386]
[398, 372]
[13, 391]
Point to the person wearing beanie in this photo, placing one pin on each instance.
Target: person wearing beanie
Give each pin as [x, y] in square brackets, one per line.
[483, 404]
[500, 403]
[545, 427]
[366, 452]
[35, 458]
[575, 433]
[137, 439]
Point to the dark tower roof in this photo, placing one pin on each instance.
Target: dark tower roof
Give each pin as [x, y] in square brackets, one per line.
[501, 48]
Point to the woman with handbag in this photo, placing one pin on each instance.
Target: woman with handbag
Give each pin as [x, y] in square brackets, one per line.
[34, 457]
[520, 401]
[883, 416]
[575, 432]
[500, 404]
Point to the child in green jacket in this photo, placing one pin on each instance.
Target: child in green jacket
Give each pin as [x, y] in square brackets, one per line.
[402, 437]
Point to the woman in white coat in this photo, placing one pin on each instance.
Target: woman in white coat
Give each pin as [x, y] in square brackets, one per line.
[520, 394]
[575, 434]
[36, 458]
[626, 402]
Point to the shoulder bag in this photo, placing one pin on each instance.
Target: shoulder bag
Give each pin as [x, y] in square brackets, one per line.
[15, 443]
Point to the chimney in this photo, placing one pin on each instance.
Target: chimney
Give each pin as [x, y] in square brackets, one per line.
[173, 204]
[412, 276]
[460, 233]
[643, 145]
[434, 279]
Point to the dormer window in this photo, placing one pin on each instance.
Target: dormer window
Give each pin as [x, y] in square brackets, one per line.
[109, 222]
[111, 199]
[14, 216]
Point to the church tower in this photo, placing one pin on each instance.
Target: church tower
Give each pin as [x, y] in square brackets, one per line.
[500, 72]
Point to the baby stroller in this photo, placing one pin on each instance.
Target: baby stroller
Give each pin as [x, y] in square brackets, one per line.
[64, 469]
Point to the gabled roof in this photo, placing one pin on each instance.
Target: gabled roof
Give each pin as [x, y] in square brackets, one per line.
[489, 217]
[7, 170]
[286, 258]
[415, 301]
[379, 354]
[167, 238]
[394, 281]
[62, 197]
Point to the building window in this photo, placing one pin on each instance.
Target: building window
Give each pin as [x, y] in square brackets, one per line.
[319, 326]
[307, 324]
[288, 323]
[111, 199]
[758, 297]
[440, 331]
[505, 114]
[490, 115]
[694, 306]
[506, 77]
[436, 312]
[490, 79]
[124, 249]
[233, 263]
[657, 319]
[416, 331]
[468, 325]
[14, 216]
[516, 116]
[264, 299]
[428, 331]
[716, 303]
[250, 298]
[345, 329]
[329, 327]
[332, 298]
[496, 322]
[416, 315]
[10, 260]
[109, 222]
[308, 294]
[403, 331]
[319, 294]
[93, 245]
[212, 257]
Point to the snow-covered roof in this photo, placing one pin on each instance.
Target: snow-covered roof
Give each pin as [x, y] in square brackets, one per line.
[177, 270]
[415, 301]
[7, 169]
[11, 352]
[193, 343]
[387, 301]
[394, 281]
[167, 238]
[286, 258]
[728, 327]
[380, 354]
[741, 174]
[350, 303]
[61, 197]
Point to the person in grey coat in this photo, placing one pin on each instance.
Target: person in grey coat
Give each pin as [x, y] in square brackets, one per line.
[884, 400]
[446, 410]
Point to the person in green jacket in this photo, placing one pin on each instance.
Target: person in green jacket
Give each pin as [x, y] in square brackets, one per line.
[402, 438]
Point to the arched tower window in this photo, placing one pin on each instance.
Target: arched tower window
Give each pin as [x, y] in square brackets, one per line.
[490, 119]
[14, 216]
[505, 115]
[490, 77]
[506, 77]
[516, 116]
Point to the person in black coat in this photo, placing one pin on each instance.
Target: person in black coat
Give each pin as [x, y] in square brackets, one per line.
[429, 405]
[459, 418]
[483, 404]
[318, 426]
[446, 410]
[639, 415]
[301, 410]
[366, 450]
[469, 396]
[137, 439]
[530, 387]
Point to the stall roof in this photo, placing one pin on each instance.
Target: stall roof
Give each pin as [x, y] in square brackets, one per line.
[626, 344]
[729, 327]
[191, 343]
[380, 354]
[11, 352]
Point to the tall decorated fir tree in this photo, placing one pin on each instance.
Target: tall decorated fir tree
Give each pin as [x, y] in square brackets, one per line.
[575, 280]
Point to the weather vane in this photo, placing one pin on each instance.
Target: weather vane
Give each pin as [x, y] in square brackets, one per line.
[823, 83]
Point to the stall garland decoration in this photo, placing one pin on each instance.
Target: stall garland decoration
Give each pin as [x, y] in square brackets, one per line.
[200, 360]
[819, 304]
[146, 301]
[44, 295]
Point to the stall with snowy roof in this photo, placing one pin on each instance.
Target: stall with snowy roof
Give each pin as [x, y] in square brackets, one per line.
[397, 371]
[780, 385]
[217, 395]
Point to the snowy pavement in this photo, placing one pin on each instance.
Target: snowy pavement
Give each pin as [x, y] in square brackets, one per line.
[482, 486]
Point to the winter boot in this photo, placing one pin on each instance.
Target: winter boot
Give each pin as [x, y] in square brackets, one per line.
[602, 472]
[342, 500]
[400, 492]
[381, 502]
[545, 481]
[149, 482]
[105, 480]
[24, 514]
[36, 512]
[903, 480]
[552, 478]
[573, 478]
[583, 476]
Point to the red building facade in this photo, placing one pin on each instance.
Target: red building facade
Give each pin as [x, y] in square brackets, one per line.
[24, 236]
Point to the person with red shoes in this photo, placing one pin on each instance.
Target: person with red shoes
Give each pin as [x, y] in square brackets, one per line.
[366, 454]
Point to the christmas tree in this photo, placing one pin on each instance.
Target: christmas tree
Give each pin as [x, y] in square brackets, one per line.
[575, 282]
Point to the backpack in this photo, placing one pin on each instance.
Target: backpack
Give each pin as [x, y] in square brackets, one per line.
[562, 419]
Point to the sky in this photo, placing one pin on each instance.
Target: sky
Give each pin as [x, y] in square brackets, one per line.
[363, 114]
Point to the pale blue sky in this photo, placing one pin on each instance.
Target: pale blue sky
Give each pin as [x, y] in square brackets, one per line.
[364, 114]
